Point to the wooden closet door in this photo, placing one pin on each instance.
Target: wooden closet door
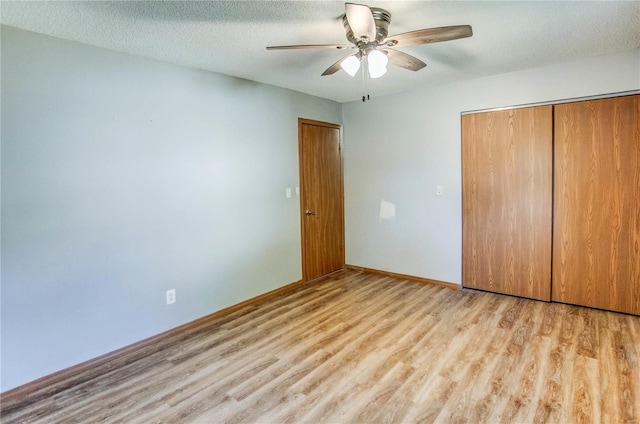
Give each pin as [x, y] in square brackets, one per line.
[596, 259]
[506, 196]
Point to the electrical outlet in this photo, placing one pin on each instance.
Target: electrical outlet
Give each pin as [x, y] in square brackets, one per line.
[439, 190]
[171, 296]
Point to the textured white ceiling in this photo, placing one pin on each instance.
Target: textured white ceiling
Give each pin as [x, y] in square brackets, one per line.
[230, 37]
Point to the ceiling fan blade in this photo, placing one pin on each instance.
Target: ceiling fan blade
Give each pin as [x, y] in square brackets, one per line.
[311, 46]
[360, 20]
[430, 35]
[404, 60]
[335, 67]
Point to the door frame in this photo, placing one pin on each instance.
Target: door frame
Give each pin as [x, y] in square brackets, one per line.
[301, 122]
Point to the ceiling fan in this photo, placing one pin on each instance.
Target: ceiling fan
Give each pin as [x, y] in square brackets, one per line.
[367, 29]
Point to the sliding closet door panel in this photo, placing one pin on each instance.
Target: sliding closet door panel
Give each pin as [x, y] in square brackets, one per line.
[507, 183]
[596, 259]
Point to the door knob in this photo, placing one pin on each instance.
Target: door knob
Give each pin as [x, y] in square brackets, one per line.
[308, 212]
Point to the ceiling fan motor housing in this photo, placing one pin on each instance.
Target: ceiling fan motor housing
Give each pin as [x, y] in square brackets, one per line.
[382, 19]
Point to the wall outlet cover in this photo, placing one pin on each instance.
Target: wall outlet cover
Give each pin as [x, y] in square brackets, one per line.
[171, 296]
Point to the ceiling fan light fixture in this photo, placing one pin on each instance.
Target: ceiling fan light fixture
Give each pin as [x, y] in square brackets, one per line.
[351, 65]
[367, 29]
[377, 61]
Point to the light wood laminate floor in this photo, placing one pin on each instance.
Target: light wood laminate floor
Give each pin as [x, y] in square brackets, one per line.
[365, 348]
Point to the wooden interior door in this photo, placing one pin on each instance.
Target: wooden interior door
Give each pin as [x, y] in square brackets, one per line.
[321, 198]
[596, 258]
[506, 201]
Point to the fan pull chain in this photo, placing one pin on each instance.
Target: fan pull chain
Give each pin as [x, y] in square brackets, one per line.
[364, 71]
[365, 81]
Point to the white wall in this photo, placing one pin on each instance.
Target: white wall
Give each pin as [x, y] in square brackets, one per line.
[124, 177]
[398, 148]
